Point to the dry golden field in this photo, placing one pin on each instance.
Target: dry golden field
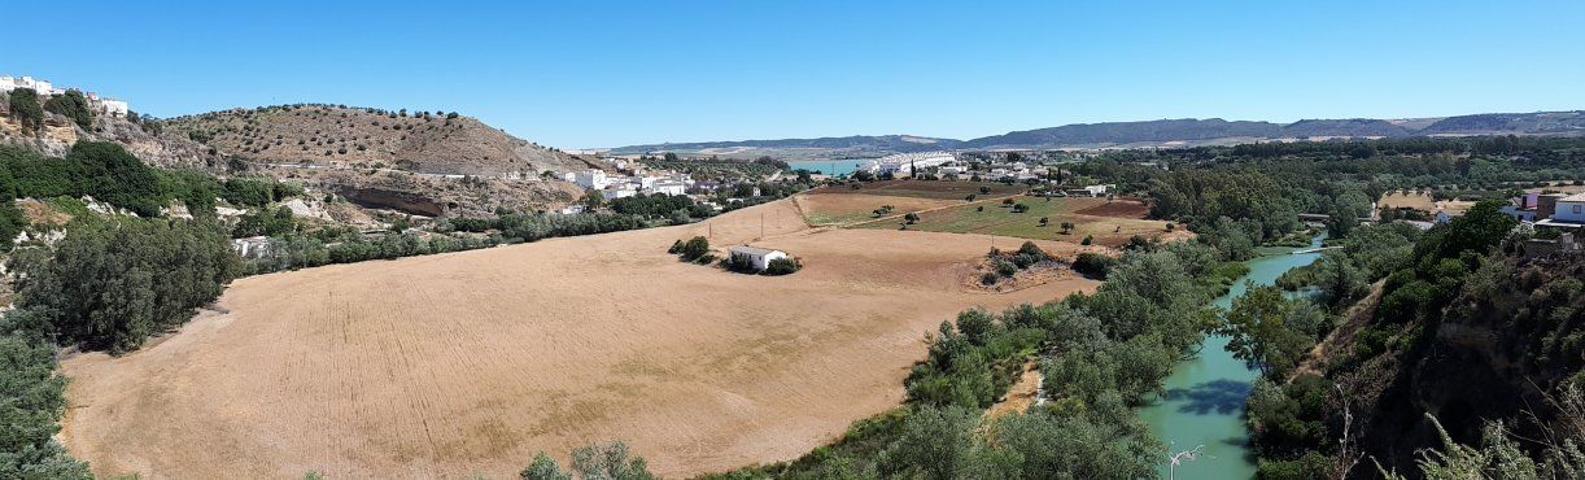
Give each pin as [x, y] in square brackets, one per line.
[1417, 200]
[454, 365]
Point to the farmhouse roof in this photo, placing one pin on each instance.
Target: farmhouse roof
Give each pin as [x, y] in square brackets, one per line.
[745, 249]
[1578, 197]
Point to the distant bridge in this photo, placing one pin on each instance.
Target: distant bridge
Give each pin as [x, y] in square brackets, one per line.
[1313, 250]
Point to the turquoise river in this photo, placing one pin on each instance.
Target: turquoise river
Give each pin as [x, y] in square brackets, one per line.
[1204, 401]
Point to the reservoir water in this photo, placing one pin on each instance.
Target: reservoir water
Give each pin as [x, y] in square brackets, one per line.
[1204, 400]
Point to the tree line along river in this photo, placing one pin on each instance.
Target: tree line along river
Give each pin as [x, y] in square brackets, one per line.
[1203, 403]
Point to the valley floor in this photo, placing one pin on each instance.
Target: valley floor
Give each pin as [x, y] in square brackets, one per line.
[468, 363]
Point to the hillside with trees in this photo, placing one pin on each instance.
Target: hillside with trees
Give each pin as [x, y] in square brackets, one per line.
[431, 142]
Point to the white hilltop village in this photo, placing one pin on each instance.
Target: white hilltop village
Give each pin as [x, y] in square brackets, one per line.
[100, 105]
[628, 176]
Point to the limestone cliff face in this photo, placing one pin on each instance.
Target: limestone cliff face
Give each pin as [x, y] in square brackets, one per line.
[148, 142]
[1515, 332]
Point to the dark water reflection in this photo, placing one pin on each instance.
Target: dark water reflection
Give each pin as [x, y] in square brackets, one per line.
[1223, 397]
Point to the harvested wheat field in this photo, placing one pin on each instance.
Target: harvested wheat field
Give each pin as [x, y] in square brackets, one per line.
[467, 364]
[1417, 200]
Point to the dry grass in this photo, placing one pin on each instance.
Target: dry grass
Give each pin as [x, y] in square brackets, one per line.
[1408, 199]
[468, 363]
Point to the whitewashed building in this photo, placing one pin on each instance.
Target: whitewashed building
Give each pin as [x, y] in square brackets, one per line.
[114, 108]
[760, 258]
[1569, 213]
[615, 193]
[251, 247]
[668, 188]
[591, 179]
[904, 163]
[38, 86]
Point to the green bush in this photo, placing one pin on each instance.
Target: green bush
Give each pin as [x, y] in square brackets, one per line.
[610, 461]
[32, 400]
[694, 249]
[113, 284]
[73, 105]
[1093, 265]
[782, 266]
[25, 107]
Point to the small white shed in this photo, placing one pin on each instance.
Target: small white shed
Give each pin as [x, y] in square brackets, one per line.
[760, 258]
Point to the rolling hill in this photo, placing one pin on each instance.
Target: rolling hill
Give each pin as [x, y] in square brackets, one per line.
[857, 144]
[1168, 132]
[338, 136]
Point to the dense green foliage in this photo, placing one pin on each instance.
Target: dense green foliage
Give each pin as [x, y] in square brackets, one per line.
[1342, 276]
[25, 107]
[1008, 264]
[597, 462]
[1102, 355]
[695, 250]
[257, 192]
[660, 206]
[782, 266]
[32, 400]
[273, 223]
[73, 105]
[102, 170]
[1296, 419]
[716, 169]
[113, 284]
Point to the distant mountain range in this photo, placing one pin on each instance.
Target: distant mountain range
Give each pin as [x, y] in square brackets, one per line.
[1154, 133]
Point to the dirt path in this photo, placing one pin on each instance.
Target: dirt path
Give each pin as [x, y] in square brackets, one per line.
[1355, 320]
[1023, 393]
[465, 364]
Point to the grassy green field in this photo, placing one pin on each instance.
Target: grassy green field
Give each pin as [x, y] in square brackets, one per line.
[995, 218]
[845, 204]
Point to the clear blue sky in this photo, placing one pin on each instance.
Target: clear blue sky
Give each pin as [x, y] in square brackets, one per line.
[581, 74]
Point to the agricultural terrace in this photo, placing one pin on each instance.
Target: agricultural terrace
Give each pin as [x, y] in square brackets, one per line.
[469, 363]
[858, 202]
[1110, 223]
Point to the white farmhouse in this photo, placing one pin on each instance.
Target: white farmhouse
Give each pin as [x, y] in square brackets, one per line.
[668, 188]
[591, 179]
[114, 108]
[1570, 209]
[760, 258]
[251, 247]
[1099, 190]
[1569, 213]
[615, 193]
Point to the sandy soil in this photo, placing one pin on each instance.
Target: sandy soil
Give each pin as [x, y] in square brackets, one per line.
[1022, 394]
[454, 365]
